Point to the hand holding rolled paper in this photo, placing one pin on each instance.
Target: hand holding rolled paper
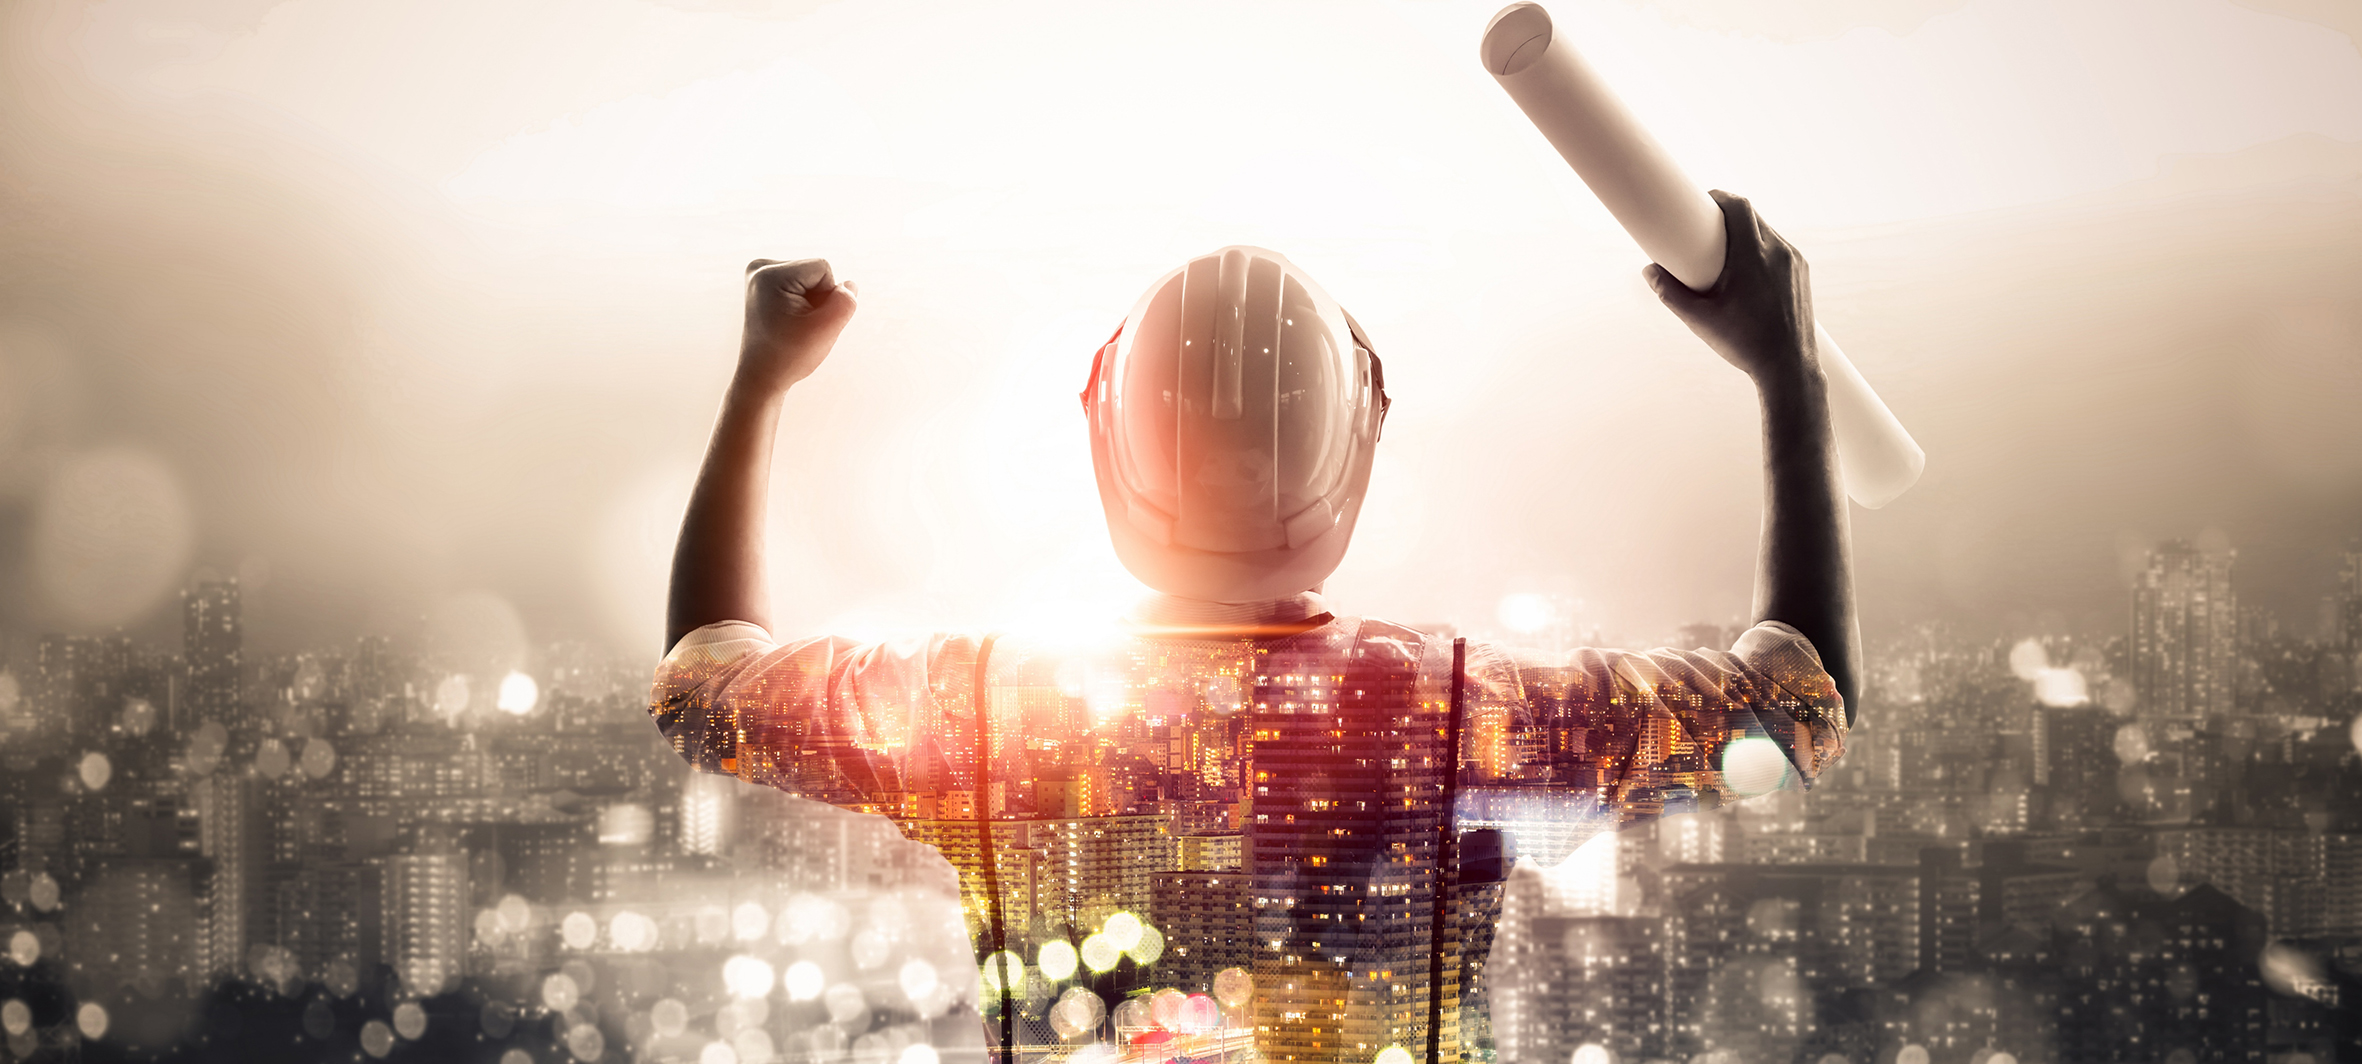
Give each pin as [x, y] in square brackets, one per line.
[1676, 224]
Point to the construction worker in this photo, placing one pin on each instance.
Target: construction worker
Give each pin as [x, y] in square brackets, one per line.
[1233, 418]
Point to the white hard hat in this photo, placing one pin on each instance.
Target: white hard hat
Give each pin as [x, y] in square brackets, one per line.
[1233, 416]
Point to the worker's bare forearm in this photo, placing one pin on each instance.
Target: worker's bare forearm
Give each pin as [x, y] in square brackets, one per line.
[1804, 577]
[1759, 317]
[717, 572]
[794, 311]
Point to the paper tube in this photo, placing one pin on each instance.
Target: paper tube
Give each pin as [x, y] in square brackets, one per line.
[1676, 224]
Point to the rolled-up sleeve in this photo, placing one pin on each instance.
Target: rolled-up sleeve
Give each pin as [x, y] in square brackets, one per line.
[826, 718]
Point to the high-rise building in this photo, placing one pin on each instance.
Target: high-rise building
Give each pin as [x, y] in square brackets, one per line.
[2288, 877]
[1346, 889]
[2345, 599]
[2074, 749]
[319, 909]
[79, 682]
[211, 645]
[2134, 959]
[423, 915]
[233, 837]
[136, 922]
[707, 805]
[2184, 632]
[1207, 922]
[1557, 981]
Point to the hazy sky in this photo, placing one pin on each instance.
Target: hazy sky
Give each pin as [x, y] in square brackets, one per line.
[412, 310]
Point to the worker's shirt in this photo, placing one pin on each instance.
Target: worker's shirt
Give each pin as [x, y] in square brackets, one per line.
[1283, 806]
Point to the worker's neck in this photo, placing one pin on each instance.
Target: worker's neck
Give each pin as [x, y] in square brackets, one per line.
[1175, 612]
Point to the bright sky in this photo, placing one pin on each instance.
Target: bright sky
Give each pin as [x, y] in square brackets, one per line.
[1005, 178]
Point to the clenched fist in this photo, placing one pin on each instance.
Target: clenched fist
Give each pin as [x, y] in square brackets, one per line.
[794, 311]
[1759, 314]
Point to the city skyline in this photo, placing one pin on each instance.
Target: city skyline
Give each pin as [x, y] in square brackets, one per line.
[1963, 846]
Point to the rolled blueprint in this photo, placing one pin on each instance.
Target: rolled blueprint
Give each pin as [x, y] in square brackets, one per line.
[1678, 226]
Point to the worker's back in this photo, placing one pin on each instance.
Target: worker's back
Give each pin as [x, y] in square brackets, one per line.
[1280, 805]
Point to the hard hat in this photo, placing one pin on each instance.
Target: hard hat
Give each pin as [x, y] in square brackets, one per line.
[1233, 416]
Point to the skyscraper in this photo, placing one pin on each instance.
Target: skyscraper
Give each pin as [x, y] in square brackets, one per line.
[210, 641]
[2184, 631]
[423, 915]
[1344, 893]
[2346, 603]
[231, 836]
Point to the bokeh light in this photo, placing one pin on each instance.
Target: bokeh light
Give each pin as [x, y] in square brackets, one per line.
[451, 696]
[1753, 765]
[918, 979]
[845, 1003]
[496, 1019]
[717, 1053]
[1010, 972]
[16, 1017]
[631, 932]
[1591, 1053]
[1234, 987]
[585, 1042]
[1525, 613]
[2165, 875]
[2354, 732]
[1100, 954]
[377, 1039]
[804, 981]
[579, 930]
[747, 977]
[1058, 959]
[1200, 1013]
[670, 1017]
[1149, 947]
[749, 921]
[518, 694]
[319, 758]
[870, 947]
[24, 947]
[94, 770]
[271, 759]
[91, 1019]
[753, 1046]
[139, 714]
[2027, 659]
[514, 912]
[2061, 687]
[2131, 744]
[558, 992]
[1122, 931]
[410, 1021]
[1912, 1054]
[206, 747]
[918, 1053]
[1392, 1055]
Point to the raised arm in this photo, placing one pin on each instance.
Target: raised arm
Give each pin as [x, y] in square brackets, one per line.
[794, 312]
[1759, 317]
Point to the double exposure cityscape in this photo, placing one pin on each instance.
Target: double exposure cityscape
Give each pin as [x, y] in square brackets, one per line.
[2141, 844]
